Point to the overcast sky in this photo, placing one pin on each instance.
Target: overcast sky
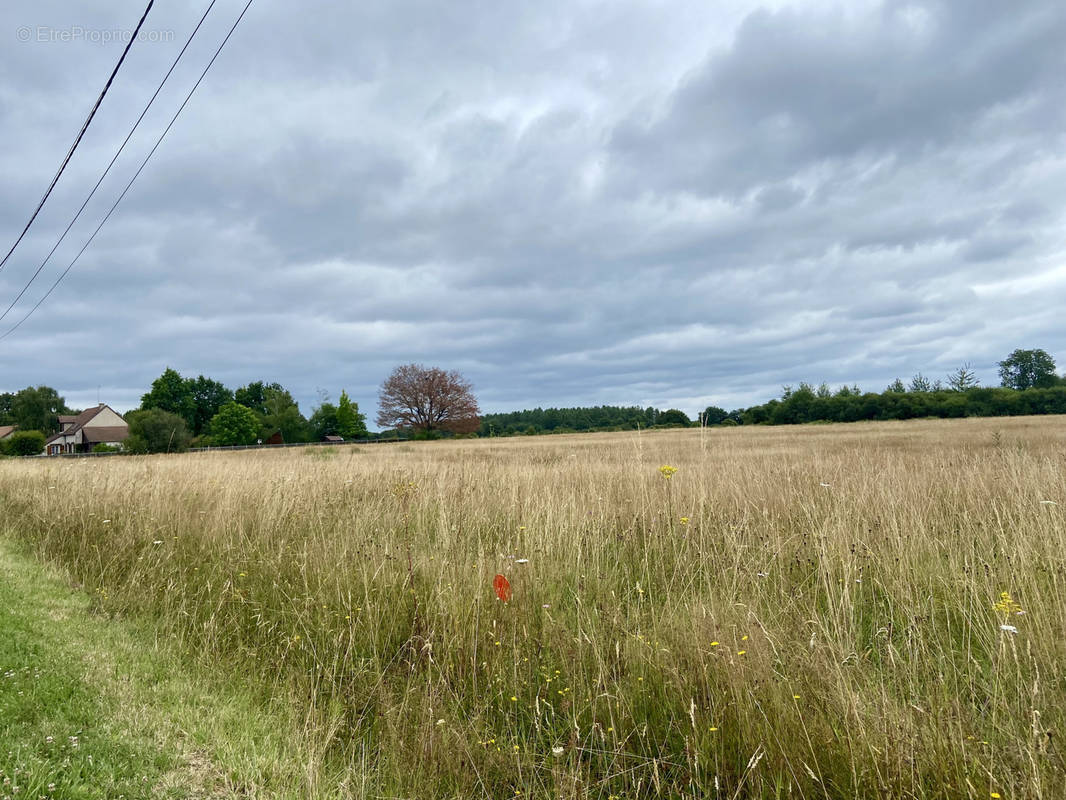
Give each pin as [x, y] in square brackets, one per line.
[572, 202]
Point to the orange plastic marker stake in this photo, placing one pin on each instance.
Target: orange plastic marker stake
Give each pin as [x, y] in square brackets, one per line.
[502, 587]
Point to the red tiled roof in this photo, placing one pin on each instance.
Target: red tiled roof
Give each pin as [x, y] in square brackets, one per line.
[7, 430]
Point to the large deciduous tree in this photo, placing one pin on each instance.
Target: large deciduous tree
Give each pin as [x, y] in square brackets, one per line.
[323, 421]
[38, 408]
[234, 424]
[171, 392]
[7, 407]
[195, 400]
[673, 416]
[427, 399]
[350, 423]
[253, 396]
[208, 397]
[1028, 369]
[713, 415]
[276, 410]
[282, 415]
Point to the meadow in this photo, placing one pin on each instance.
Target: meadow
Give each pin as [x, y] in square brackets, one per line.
[826, 611]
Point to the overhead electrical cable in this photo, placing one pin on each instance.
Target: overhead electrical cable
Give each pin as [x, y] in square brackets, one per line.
[144, 163]
[109, 166]
[81, 133]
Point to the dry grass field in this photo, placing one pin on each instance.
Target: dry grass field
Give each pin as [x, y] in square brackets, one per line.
[869, 610]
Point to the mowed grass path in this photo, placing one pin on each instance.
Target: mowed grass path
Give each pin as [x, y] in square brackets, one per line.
[859, 611]
[92, 708]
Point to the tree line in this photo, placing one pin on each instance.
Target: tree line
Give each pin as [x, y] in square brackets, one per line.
[573, 420]
[1028, 385]
[179, 412]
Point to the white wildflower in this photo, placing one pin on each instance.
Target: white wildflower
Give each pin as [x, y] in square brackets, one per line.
[1008, 628]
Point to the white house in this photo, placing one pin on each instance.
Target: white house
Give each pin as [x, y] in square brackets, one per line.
[100, 425]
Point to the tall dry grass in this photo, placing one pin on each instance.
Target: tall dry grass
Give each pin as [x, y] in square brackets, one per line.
[804, 612]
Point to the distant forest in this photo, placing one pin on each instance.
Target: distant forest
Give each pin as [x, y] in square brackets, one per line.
[1028, 385]
[796, 406]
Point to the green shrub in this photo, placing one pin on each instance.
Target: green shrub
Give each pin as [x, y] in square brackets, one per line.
[157, 431]
[26, 443]
[136, 444]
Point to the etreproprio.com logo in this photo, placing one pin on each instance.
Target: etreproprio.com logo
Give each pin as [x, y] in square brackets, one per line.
[77, 33]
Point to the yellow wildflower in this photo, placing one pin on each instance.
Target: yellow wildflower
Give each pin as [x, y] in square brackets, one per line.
[1006, 604]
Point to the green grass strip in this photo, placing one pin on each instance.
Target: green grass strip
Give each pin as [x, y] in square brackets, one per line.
[95, 708]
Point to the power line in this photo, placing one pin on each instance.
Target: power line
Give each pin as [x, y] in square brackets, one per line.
[109, 166]
[144, 163]
[81, 133]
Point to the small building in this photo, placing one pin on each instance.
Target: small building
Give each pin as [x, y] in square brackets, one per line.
[79, 434]
[7, 430]
[333, 438]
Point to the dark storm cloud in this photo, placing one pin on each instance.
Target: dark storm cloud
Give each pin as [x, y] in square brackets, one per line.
[582, 202]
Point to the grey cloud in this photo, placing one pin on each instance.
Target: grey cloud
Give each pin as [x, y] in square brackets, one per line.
[994, 247]
[796, 89]
[590, 202]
